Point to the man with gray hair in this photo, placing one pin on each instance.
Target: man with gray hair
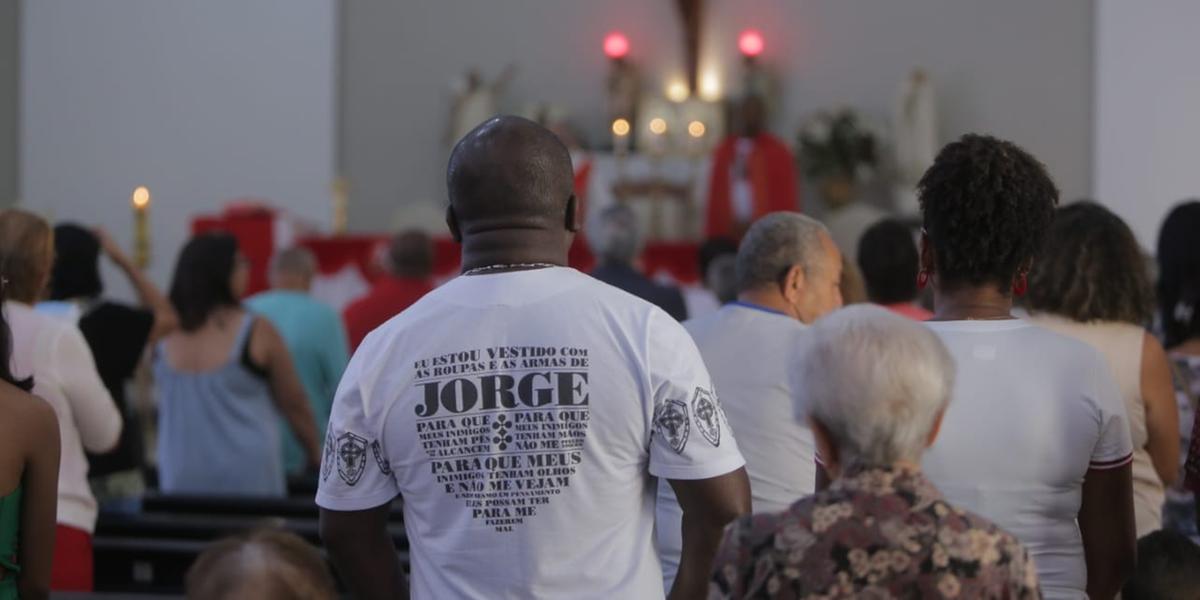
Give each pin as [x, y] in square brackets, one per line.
[788, 271]
[881, 529]
[615, 238]
[313, 334]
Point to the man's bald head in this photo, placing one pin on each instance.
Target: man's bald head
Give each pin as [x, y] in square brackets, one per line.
[509, 173]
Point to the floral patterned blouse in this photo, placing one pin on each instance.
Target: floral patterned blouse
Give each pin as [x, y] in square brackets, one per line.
[875, 533]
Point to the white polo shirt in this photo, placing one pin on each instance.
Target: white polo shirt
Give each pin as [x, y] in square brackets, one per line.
[522, 416]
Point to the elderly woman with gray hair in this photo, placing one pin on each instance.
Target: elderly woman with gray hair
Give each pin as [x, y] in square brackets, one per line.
[877, 387]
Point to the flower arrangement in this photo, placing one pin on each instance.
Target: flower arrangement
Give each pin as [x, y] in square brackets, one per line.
[837, 145]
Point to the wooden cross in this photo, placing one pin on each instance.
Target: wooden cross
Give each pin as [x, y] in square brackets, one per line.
[690, 12]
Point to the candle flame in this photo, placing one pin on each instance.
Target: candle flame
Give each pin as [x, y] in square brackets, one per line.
[696, 129]
[620, 127]
[658, 126]
[141, 197]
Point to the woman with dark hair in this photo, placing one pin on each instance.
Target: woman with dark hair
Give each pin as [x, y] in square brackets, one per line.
[55, 354]
[1179, 312]
[29, 449]
[118, 336]
[1036, 438]
[1090, 283]
[221, 378]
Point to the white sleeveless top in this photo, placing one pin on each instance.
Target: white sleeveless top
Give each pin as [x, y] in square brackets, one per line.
[1121, 346]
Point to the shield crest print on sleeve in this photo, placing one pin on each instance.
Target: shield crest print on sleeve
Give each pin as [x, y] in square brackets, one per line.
[330, 456]
[708, 419]
[385, 465]
[351, 457]
[671, 422]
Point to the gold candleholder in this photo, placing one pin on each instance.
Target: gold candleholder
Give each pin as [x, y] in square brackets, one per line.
[141, 226]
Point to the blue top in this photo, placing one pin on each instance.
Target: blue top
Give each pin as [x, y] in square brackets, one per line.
[316, 339]
[218, 430]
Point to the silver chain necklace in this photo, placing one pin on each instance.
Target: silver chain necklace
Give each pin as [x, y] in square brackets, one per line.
[508, 267]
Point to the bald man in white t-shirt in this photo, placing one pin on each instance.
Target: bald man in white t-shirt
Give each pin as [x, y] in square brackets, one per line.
[523, 411]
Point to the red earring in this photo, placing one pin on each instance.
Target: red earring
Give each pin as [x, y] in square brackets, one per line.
[1021, 285]
[922, 279]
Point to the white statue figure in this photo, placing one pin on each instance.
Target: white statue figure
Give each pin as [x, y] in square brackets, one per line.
[475, 102]
[916, 141]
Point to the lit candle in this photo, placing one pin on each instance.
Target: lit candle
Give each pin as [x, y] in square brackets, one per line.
[696, 131]
[658, 138]
[620, 131]
[141, 226]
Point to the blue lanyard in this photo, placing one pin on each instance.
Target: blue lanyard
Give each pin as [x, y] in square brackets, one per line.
[753, 306]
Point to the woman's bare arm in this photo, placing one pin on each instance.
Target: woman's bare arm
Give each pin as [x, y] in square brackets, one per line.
[268, 349]
[40, 501]
[1162, 412]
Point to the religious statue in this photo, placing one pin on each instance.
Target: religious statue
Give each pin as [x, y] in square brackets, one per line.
[916, 143]
[752, 174]
[475, 102]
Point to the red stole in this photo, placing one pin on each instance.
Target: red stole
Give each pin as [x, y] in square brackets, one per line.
[772, 179]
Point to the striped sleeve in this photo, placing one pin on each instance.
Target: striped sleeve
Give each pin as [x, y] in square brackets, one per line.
[1114, 446]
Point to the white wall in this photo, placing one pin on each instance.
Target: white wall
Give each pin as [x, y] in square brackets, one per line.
[1147, 109]
[1020, 69]
[200, 101]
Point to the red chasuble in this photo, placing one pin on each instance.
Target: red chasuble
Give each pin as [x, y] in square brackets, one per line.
[772, 178]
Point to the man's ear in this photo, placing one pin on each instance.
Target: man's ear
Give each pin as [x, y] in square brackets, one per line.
[928, 262]
[452, 224]
[793, 281]
[574, 218]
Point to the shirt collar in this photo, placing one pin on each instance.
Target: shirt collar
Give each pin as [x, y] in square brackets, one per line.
[753, 306]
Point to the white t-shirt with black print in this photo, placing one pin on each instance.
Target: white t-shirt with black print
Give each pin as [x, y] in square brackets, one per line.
[521, 416]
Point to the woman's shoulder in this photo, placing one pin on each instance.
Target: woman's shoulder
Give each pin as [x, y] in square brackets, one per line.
[30, 412]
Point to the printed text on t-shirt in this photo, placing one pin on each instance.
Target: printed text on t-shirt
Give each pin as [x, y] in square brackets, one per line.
[504, 427]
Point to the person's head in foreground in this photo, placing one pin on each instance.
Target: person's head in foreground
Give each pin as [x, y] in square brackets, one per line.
[877, 385]
[987, 206]
[1179, 274]
[264, 564]
[26, 254]
[410, 255]
[1091, 269]
[76, 272]
[209, 275]
[512, 195]
[1168, 568]
[888, 260]
[615, 236]
[788, 262]
[717, 259]
[293, 269]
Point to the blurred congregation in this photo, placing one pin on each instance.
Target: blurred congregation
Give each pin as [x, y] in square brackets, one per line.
[679, 299]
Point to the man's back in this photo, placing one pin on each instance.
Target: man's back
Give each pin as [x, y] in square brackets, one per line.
[626, 278]
[752, 353]
[386, 299]
[518, 413]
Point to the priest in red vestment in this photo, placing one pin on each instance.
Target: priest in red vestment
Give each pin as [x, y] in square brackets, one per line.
[753, 174]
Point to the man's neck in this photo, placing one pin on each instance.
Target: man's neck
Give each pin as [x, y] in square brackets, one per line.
[768, 299]
[985, 302]
[514, 247]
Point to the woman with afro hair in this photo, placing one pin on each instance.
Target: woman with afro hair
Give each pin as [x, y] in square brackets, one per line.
[1036, 438]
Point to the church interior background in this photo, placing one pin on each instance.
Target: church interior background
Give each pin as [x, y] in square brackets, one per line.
[329, 123]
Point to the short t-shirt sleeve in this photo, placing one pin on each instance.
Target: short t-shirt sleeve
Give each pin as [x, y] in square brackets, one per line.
[1115, 446]
[690, 436]
[355, 471]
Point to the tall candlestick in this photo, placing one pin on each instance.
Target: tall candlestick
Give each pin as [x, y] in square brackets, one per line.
[141, 226]
[341, 205]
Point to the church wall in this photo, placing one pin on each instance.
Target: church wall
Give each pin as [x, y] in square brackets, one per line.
[1021, 69]
[200, 101]
[1147, 124]
[9, 51]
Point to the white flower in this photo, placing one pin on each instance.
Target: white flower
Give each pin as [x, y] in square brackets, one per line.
[817, 129]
